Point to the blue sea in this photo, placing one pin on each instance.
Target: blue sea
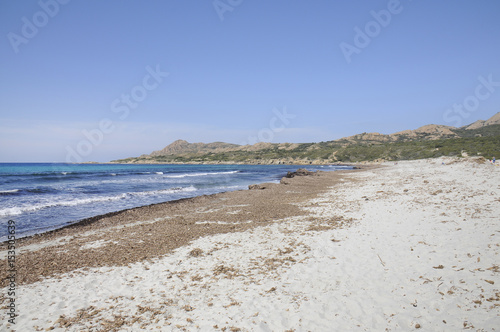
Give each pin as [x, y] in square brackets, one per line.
[41, 197]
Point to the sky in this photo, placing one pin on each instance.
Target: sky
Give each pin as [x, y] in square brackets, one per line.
[100, 80]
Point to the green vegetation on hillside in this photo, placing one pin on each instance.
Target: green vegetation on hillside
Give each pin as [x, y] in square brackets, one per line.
[491, 130]
[473, 146]
[431, 142]
[487, 146]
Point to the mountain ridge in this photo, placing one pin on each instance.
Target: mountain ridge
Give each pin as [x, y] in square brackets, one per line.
[181, 151]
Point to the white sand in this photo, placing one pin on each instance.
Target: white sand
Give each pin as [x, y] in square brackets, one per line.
[422, 251]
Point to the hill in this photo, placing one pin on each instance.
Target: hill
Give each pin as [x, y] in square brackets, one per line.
[479, 138]
[181, 147]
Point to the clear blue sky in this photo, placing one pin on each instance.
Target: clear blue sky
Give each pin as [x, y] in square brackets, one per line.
[230, 65]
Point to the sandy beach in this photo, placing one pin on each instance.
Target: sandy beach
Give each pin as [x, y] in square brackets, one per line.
[412, 245]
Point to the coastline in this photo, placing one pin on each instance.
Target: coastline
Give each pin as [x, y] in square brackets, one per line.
[178, 220]
[406, 246]
[44, 196]
[303, 163]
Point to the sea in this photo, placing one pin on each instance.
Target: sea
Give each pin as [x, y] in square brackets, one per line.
[40, 197]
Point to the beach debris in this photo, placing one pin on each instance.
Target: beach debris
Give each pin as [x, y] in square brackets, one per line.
[233, 303]
[468, 325]
[196, 252]
[256, 187]
[230, 272]
[196, 278]
[438, 267]
[284, 180]
[300, 172]
[381, 261]
[494, 268]
[489, 281]
[285, 251]
[272, 289]
[261, 186]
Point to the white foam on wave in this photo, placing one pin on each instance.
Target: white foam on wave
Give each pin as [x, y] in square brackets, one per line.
[9, 191]
[159, 173]
[82, 201]
[199, 174]
[162, 191]
[153, 179]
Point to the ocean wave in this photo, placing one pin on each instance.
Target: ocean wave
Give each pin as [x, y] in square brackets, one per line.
[82, 201]
[41, 190]
[58, 177]
[163, 191]
[38, 174]
[48, 173]
[199, 174]
[9, 192]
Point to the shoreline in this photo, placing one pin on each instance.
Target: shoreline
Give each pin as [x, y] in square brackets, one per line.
[175, 219]
[402, 247]
[90, 220]
[95, 218]
[86, 218]
[315, 162]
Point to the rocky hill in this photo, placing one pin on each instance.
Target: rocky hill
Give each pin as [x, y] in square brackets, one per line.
[495, 119]
[181, 147]
[479, 138]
